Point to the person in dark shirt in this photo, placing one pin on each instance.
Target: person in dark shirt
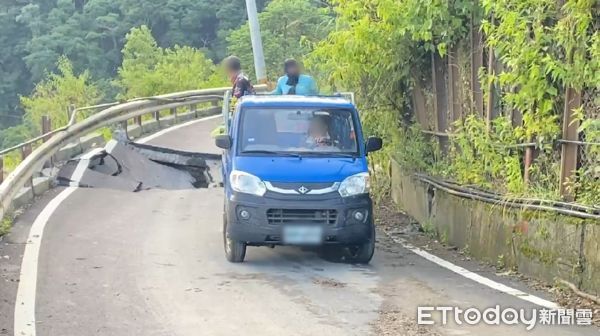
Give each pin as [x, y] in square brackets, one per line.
[241, 84]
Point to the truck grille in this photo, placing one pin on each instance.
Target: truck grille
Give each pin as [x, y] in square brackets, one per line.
[301, 216]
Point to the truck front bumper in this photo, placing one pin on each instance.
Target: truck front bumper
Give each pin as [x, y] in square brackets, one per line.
[260, 220]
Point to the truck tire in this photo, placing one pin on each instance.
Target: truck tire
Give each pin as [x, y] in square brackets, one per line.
[363, 253]
[235, 251]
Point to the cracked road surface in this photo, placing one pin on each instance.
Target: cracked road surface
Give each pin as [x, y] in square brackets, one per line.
[118, 263]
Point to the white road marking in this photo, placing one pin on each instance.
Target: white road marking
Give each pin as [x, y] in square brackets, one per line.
[24, 322]
[24, 318]
[476, 277]
[172, 128]
[82, 165]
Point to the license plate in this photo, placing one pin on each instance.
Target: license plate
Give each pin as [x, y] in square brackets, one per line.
[302, 235]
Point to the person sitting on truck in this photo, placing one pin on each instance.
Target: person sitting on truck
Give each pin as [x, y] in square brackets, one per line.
[241, 84]
[318, 132]
[295, 83]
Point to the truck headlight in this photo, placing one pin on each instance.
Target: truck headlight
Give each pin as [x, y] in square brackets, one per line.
[355, 185]
[247, 183]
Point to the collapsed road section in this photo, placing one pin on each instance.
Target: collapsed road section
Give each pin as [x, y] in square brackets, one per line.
[136, 167]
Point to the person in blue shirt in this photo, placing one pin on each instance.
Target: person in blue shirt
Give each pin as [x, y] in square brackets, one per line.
[295, 83]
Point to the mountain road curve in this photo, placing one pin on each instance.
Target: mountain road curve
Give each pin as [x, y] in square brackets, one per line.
[106, 261]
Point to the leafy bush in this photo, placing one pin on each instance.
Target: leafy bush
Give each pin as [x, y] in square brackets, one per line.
[587, 184]
[56, 93]
[487, 158]
[383, 49]
[149, 70]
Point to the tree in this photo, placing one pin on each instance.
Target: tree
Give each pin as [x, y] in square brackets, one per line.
[230, 16]
[56, 93]
[184, 68]
[149, 70]
[91, 33]
[140, 54]
[13, 70]
[289, 28]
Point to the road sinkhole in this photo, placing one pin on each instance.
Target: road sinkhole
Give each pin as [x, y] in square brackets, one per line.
[136, 167]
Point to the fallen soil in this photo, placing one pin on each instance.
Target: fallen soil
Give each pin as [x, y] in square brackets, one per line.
[393, 322]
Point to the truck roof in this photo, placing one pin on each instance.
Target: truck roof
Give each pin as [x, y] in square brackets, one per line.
[295, 101]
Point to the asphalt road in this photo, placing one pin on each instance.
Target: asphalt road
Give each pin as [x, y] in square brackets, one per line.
[121, 263]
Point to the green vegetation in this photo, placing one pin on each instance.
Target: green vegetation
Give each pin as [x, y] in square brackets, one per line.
[289, 29]
[5, 225]
[383, 50]
[61, 53]
[91, 34]
[52, 97]
[56, 93]
[149, 70]
[83, 52]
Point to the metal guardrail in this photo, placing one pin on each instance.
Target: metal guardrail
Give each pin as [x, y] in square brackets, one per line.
[564, 208]
[112, 113]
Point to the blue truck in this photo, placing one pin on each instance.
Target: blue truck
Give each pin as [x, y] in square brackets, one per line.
[295, 172]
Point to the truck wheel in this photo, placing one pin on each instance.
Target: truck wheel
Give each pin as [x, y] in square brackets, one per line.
[363, 253]
[235, 251]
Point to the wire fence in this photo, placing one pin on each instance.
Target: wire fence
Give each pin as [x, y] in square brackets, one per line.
[566, 167]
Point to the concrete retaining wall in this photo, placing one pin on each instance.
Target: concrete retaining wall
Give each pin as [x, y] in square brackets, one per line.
[543, 245]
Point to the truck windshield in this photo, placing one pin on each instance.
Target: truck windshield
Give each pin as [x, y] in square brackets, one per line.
[278, 131]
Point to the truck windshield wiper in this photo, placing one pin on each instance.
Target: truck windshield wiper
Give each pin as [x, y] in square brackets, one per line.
[329, 154]
[268, 152]
[348, 155]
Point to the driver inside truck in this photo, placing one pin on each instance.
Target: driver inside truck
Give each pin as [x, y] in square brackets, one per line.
[318, 132]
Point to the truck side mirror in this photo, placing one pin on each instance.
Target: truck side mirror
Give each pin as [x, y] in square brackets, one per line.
[223, 141]
[374, 144]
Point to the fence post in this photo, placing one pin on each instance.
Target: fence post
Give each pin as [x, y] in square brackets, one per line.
[138, 120]
[440, 101]
[476, 64]
[454, 85]
[194, 110]
[489, 109]
[516, 118]
[569, 151]
[25, 152]
[1, 169]
[528, 160]
[419, 104]
[70, 111]
[174, 114]
[157, 115]
[46, 127]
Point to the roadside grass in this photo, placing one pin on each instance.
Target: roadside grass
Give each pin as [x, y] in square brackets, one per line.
[5, 225]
